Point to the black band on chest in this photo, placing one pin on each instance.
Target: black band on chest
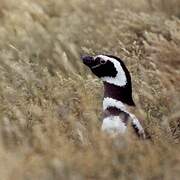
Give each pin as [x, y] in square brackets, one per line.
[114, 111]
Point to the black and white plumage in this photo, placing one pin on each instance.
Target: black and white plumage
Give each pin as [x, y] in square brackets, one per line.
[117, 93]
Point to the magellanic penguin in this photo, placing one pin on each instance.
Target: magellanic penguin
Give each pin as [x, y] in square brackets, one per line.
[117, 93]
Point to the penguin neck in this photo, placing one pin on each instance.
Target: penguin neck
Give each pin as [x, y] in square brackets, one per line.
[113, 99]
[119, 93]
[113, 91]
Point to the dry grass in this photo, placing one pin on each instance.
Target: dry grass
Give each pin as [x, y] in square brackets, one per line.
[50, 108]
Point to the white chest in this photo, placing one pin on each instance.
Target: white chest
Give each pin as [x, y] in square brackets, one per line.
[113, 125]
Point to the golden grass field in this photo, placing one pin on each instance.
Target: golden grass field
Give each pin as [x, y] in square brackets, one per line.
[50, 110]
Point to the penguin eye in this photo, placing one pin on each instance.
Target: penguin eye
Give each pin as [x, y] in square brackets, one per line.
[98, 59]
[102, 61]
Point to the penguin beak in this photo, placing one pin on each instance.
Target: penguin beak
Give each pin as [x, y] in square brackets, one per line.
[88, 60]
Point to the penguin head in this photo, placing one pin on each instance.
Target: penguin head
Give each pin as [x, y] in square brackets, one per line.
[109, 68]
[112, 71]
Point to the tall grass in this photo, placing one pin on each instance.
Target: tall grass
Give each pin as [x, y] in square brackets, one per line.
[50, 110]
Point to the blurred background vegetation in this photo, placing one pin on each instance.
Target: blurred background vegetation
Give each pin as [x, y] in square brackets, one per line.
[50, 110]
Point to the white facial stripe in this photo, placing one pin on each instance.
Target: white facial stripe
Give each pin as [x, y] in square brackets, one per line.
[120, 79]
[110, 102]
[113, 125]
